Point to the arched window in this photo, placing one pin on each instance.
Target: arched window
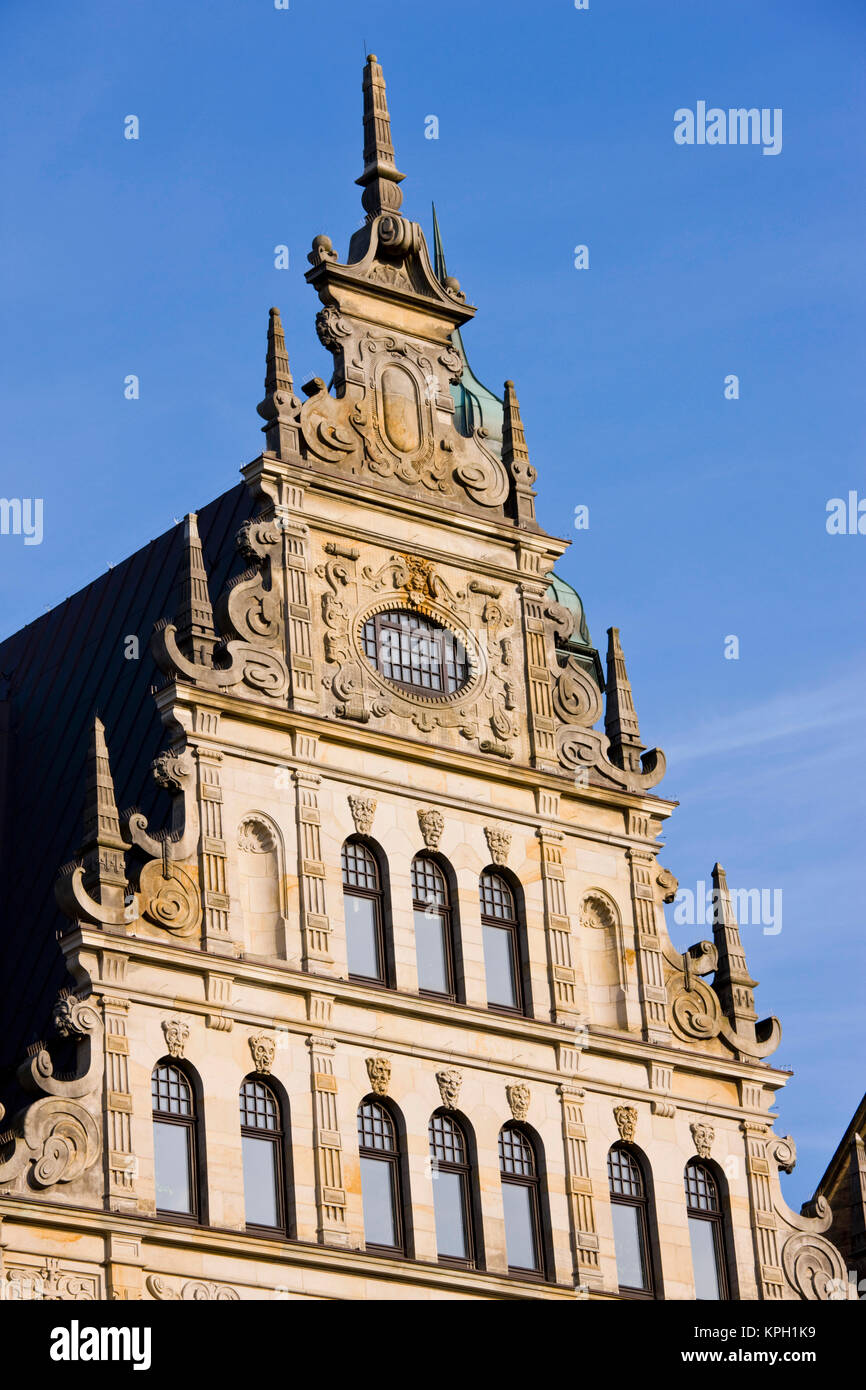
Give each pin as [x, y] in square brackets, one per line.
[363, 901]
[452, 1195]
[521, 1201]
[631, 1230]
[434, 936]
[176, 1165]
[500, 928]
[262, 1143]
[706, 1232]
[381, 1185]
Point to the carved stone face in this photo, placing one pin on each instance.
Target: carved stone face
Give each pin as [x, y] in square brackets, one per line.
[379, 1072]
[703, 1136]
[263, 1049]
[518, 1099]
[449, 1082]
[626, 1122]
[176, 1033]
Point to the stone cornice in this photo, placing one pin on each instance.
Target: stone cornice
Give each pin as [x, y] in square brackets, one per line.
[307, 476]
[177, 958]
[481, 765]
[285, 1254]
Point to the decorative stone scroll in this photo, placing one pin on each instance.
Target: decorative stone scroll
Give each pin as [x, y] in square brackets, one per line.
[56, 1138]
[193, 1291]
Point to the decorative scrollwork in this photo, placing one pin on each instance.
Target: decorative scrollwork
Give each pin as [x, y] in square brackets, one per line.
[696, 1012]
[66, 1136]
[813, 1266]
[170, 898]
[576, 697]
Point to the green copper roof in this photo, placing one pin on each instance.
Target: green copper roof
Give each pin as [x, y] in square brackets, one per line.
[475, 407]
[567, 597]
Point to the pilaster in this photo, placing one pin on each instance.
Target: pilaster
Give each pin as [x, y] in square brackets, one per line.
[330, 1193]
[584, 1238]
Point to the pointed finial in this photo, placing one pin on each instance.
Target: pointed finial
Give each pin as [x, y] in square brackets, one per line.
[515, 456]
[439, 265]
[280, 402]
[277, 374]
[380, 178]
[102, 848]
[732, 981]
[196, 633]
[620, 719]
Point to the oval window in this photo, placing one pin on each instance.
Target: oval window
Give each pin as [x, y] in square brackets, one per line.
[416, 653]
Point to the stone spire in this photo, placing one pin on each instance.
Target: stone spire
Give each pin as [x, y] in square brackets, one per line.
[380, 178]
[732, 981]
[439, 265]
[102, 847]
[195, 627]
[280, 404]
[620, 719]
[515, 456]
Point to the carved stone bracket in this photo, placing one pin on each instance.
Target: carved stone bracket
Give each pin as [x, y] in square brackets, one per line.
[449, 1082]
[263, 1049]
[518, 1096]
[379, 1072]
[626, 1122]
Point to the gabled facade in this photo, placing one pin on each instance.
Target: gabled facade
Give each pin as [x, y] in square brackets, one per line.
[385, 1006]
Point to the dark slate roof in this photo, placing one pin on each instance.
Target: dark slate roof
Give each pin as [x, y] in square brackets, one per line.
[54, 675]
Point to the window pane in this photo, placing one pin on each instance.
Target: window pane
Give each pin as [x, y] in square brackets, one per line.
[704, 1260]
[499, 967]
[497, 899]
[261, 1200]
[171, 1144]
[630, 1254]
[362, 936]
[449, 1209]
[520, 1241]
[432, 952]
[377, 1190]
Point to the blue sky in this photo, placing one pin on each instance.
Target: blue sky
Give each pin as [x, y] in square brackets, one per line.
[707, 516]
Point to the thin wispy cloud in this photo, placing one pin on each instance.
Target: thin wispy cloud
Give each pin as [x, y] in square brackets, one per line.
[784, 716]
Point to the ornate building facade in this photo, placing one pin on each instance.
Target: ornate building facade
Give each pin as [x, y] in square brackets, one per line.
[371, 996]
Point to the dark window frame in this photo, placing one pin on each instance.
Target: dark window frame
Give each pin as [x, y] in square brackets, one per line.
[538, 1206]
[645, 1207]
[193, 1124]
[447, 915]
[279, 1139]
[467, 1187]
[515, 927]
[715, 1218]
[396, 1158]
[380, 897]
